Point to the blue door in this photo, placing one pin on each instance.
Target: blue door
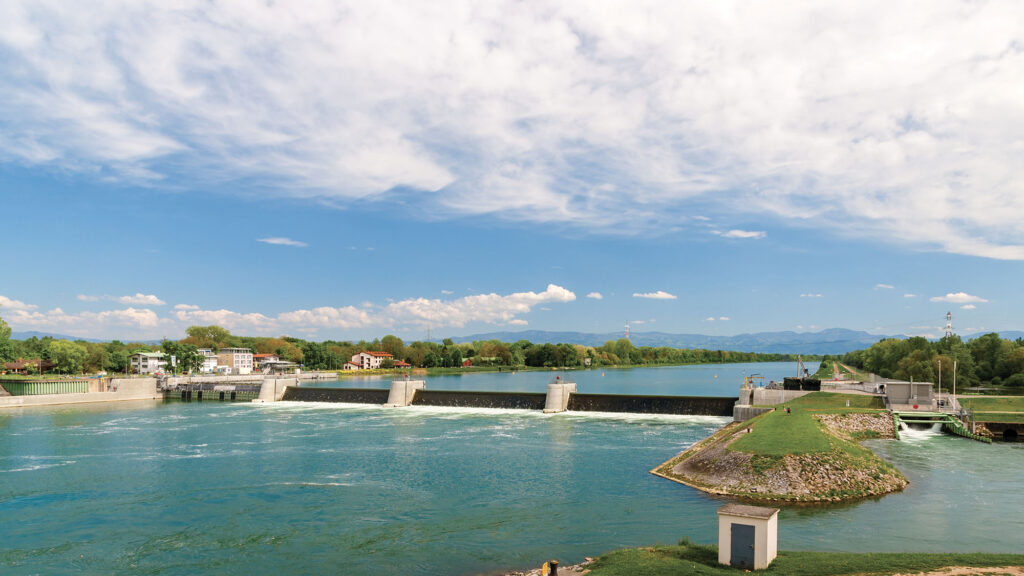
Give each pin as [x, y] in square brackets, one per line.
[742, 546]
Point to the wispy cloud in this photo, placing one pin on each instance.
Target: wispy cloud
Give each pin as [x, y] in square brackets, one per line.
[140, 299]
[958, 298]
[595, 296]
[810, 295]
[447, 292]
[968, 307]
[871, 145]
[279, 241]
[659, 295]
[908, 295]
[740, 234]
[186, 307]
[10, 304]
[884, 286]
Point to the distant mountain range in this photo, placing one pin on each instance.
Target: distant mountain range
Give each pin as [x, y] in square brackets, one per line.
[831, 341]
[32, 333]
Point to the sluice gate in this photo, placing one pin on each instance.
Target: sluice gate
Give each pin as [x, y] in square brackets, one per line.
[949, 422]
[622, 403]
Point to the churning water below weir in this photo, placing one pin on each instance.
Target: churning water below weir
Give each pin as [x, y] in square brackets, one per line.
[293, 488]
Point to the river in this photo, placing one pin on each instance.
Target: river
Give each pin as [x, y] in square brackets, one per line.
[287, 488]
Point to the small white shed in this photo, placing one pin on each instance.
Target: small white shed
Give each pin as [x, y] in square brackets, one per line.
[748, 536]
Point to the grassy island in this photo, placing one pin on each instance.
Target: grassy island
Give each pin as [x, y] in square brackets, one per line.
[806, 450]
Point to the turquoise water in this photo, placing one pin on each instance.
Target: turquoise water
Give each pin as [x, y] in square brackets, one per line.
[699, 380]
[290, 488]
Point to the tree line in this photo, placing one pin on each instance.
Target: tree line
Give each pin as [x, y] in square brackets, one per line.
[985, 360]
[114, 357]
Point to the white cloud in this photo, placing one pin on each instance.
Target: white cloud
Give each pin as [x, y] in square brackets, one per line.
[740, 234]
[659, 295]
[410, 313]
[810, 295]
[9, 304]
[968, 307]
[279, 241]
[957, 298]
[88, 298]
[247, 323]
[447, 292]
[904, 127]
[595, 296]
[141, 300]
[723, 318]
[884, 286]
[487, 308]
[910, 295]
[709, 319]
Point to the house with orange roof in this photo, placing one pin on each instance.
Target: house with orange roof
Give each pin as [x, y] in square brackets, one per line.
[371, 360]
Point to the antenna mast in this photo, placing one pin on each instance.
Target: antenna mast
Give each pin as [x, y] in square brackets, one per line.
[627, 330]
[949, 323]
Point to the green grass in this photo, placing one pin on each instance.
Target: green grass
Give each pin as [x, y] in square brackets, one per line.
[1006, 417]
[828, 400]
[703, 560]
[779, 433]
[989, 404]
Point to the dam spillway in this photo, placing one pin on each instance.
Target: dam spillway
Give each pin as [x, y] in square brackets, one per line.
[346, 395]
[621, 403]
[692, 405]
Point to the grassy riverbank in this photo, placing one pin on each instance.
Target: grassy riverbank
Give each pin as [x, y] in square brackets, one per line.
[806, 450]
[703, 560]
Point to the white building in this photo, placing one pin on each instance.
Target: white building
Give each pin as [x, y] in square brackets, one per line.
[370, 360]
[209, 361]
[147, 362]
[239, 360]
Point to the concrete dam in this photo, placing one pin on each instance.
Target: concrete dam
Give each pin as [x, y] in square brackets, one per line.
[559, 398]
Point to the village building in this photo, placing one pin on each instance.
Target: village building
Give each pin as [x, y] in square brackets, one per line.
[23, 366]
[371, 360]
[147, 362]
[209, 361]
[260, 361]
[237, 360]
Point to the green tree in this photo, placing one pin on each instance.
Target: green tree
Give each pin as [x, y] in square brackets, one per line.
[186, 356]
[67, 357]
[208, 336]
[7, 350]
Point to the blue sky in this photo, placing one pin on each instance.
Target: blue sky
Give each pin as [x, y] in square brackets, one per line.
[349, 171]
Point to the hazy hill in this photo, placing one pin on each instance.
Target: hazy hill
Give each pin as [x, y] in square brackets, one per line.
[831, 341]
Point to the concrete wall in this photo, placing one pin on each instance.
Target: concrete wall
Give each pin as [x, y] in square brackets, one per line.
[742, 413]
[121, 389]
[273, 389]
[557, 399]
[766, 397]
[403, 391]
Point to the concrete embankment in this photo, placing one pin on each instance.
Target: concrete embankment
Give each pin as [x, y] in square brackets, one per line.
[119, 389]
